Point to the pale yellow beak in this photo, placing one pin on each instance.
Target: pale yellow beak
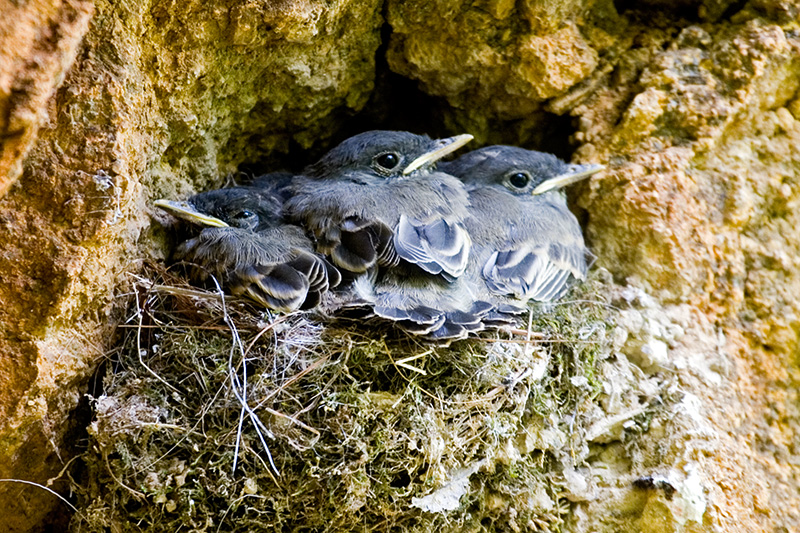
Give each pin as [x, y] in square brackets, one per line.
[446, 146]
[575, 174]
[186, 211]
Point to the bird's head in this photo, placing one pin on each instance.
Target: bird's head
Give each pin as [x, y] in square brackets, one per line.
[240, 207]
[520, 171]
[384, 154]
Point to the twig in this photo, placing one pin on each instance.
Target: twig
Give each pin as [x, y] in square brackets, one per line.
[404, 362]
[261, 333]
[239, 388]
[293, 420]
[294, 378]
[527, 332]
[48, 489]
[138, 495]
[139, 345]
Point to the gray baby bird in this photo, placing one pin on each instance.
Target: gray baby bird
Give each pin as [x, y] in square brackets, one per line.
[527, 245]
[376, 199]
[250, 250]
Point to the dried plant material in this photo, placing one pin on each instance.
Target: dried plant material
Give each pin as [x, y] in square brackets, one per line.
[216, 416]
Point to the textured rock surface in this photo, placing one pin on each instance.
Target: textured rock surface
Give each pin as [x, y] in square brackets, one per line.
[698, 124]
[693, 105]
[38, 43]
[495, 62]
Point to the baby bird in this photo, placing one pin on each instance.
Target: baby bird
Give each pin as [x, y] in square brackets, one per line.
[375, 199]
[246, 246]
[527, 245]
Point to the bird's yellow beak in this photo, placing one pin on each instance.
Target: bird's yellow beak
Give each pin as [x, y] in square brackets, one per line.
[575, 174]
[186, 211]
[445, 146]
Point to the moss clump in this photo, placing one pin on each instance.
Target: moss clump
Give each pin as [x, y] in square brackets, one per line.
[217, 418]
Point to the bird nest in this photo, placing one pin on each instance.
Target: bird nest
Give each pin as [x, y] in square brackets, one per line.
[218, 417]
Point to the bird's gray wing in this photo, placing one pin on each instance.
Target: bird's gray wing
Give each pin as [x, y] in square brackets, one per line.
[419, 320]
[321, 275]
[357, 245]
[540, 272]
[333, 212]
[260, 267]
[392, 301]
[279, 286]
[438, 246]
[426, 305]
[458, 324]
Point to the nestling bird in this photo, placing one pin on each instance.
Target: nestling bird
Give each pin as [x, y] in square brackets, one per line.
[375, 199]
[527, 245]
[275, 183]
[246, 246]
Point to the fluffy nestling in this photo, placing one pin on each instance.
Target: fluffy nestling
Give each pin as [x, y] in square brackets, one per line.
[248, 248]
[376, 199]
[527, 245]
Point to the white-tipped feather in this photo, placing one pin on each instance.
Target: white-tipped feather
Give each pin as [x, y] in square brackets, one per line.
[440, 247]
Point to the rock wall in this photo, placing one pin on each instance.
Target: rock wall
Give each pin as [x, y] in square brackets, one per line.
[692, 105]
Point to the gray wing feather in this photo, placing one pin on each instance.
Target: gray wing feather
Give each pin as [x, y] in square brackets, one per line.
[278, 287]
[263, 268]
[542, 273]
[438, 247]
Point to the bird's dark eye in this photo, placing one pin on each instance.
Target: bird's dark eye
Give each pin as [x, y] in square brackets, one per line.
[519, 179]
[243, 214]
[387, 161]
